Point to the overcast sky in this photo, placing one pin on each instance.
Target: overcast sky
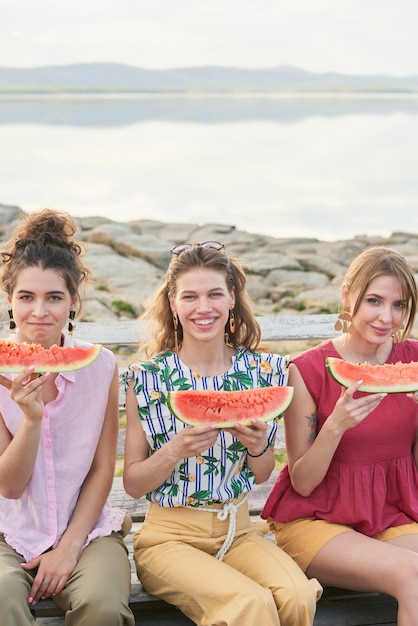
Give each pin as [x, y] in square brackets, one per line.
[350, 36]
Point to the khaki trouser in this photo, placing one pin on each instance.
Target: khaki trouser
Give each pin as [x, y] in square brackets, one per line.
[256, 583]
[96, 594]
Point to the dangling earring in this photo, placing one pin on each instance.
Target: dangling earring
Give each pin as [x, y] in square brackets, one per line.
[71, 326]
[231, 328]
[12, 323]
[176, 325]
[343, 322]
[232, 321]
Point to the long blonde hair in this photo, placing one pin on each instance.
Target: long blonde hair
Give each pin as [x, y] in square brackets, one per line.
[382, 261]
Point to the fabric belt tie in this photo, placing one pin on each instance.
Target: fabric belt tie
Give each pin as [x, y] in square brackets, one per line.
[229, 508]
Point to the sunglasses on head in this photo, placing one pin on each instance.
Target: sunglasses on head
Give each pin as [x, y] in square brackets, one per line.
[182, 247]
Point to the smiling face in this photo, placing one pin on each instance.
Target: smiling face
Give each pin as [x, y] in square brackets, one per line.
[41, 303]
[381, 311]
[202, 303]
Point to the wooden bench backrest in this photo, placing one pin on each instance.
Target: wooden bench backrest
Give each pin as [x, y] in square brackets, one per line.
[273, 328]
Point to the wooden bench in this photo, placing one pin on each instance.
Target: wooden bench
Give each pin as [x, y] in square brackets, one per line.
[337, 607]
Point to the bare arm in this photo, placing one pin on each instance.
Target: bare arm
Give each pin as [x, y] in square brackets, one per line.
[144, 473]
[310, 454]
[18, 453]
[98, 482]
[57, 564]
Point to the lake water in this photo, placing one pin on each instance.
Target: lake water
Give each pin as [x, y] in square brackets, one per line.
[289, 166]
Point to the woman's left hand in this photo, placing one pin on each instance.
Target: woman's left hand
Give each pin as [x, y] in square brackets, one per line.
[253, 437]
[54, 569]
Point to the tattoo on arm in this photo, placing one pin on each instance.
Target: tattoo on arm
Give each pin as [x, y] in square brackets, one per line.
[312, 425]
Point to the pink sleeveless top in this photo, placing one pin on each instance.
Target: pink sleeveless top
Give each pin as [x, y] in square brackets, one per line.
[71, 428]
[372, 481]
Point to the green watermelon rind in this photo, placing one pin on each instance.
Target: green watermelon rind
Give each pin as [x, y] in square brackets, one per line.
[43, 359]
[210, 396]
[347, 374]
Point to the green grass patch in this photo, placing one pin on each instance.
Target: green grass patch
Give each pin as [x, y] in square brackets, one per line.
[124, 307]
[281, 458]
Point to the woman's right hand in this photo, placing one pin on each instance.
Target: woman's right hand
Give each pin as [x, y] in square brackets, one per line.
[350, 411]
[27, 392]
[194, 440]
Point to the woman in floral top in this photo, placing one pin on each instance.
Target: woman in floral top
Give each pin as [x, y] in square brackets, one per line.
[197, 548]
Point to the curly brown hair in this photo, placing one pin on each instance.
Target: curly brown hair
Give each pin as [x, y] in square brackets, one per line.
[45, 239]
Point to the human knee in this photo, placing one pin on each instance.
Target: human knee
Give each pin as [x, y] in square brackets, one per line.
[297, 604]
[113, 614]
[258, 603]
[104, 611]
[403, 578]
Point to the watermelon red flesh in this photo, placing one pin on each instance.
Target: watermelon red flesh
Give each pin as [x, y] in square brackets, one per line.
[15, 357]
[226, 408]
[388, 378]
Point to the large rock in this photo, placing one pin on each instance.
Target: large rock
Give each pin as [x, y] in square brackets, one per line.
[284, 276]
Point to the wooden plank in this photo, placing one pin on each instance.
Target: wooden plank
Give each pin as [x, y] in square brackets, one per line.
[273, 328]
[114, 333]
[350, 608]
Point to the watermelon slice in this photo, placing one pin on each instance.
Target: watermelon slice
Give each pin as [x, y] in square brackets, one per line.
[388, 378]
[226, 408]
[15, 357]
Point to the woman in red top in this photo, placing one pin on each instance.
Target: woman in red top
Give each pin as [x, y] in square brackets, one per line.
[345, 507]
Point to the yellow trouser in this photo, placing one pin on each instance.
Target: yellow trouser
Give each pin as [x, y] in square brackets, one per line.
[256, 583]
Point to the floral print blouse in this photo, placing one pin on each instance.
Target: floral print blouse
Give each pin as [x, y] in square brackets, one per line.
[219, 474]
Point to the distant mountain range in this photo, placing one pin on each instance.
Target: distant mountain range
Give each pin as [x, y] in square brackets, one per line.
[112, 77]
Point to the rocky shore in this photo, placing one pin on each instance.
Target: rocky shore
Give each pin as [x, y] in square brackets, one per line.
[285, 276]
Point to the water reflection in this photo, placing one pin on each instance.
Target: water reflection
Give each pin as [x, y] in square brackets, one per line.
[119, 111]
[288, 167]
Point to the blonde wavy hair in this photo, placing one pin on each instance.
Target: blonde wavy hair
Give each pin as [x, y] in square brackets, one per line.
[381, 261]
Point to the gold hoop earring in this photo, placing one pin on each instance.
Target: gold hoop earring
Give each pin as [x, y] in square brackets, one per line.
[71, 326]
[343, 322]
[12, 323]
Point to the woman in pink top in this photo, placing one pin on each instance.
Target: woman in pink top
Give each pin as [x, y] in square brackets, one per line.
[59, 537]
[345, 507]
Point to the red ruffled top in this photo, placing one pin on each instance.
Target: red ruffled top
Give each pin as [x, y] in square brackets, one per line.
[372, 481]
